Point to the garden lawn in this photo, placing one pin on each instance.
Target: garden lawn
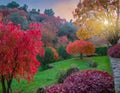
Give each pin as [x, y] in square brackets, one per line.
[49, 77]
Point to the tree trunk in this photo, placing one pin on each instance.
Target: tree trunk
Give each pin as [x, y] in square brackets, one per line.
[81, 56]
[3, 85]
[117, 20]
[115, 62]
[6, 85]
[114, 41]
[9, 82]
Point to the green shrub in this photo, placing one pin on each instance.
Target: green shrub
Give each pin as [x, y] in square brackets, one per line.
[92, 64]
[16, 18]
[40, 90]
[102, 51]
[62, 52]
[61, 77]
[72, 70]
[64, 74]
[48, 58]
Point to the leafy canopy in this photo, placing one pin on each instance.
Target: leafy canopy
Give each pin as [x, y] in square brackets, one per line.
[99, 18]
[18, 50]
[80, 47]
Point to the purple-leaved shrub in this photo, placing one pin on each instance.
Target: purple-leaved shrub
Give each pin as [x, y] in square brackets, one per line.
[88, 81]
[57, 88]
[114, 51]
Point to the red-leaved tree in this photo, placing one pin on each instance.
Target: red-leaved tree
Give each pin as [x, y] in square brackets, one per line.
[18, 50]
[62, 40]
[80, 47]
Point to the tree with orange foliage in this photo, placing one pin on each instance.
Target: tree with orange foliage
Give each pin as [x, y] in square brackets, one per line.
[80, 47]
[56, 56]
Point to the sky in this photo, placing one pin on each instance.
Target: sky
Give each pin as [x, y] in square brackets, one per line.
[62, 8]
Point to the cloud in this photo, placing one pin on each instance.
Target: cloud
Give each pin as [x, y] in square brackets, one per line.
[65, 9]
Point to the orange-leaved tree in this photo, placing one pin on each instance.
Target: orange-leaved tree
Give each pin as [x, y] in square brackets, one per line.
[56, 56]
[80, 47]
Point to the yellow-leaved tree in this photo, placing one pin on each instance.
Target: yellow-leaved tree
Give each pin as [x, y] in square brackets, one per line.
[98, 18]
[83, 34]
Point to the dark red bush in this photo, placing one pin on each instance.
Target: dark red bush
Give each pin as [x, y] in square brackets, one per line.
[114, 51]
[89, 81]
[54, 89]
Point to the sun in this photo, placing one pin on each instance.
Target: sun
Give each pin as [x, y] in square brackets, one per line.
[106, 22]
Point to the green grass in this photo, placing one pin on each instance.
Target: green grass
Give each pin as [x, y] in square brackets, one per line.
[49, 77]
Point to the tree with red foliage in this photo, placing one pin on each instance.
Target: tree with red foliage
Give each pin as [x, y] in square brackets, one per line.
[50, 27]
[21, 12]
[48, 33]
[62, 40]
[4, 14]
[80, 47]
[18, 50]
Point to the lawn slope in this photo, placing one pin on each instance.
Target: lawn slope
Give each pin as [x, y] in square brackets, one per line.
[49, 77]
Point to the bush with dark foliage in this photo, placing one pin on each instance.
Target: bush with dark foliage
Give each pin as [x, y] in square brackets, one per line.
[114, 51]
[102, 51]
[92, 64]
[54, 89]
[64, 74]
[89, 81]
[62, 52]
[40, 90]
[47, 59]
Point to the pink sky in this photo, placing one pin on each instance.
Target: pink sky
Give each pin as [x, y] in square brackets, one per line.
[65, 9]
